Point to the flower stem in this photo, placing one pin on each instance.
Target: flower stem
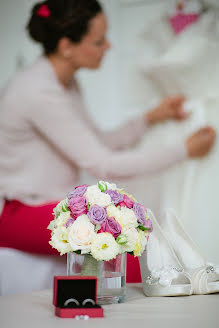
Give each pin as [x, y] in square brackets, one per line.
[92, 267]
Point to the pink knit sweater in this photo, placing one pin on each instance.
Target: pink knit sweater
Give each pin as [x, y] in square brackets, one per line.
[46, 136]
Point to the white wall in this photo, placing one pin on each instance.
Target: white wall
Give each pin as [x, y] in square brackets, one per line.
[110, 94]
[16, 49]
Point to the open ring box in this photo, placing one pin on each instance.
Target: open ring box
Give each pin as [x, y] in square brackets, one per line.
[75, 296]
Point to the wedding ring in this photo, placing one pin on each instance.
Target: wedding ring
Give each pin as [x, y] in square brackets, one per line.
[71, 300]
[88, 300]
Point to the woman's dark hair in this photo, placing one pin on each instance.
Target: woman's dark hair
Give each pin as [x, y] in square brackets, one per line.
[63, 18]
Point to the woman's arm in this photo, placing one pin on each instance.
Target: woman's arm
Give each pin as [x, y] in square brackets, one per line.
[130, 133]
[125, 136]
[70, 136]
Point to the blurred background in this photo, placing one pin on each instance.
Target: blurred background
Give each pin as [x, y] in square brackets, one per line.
[154, 54]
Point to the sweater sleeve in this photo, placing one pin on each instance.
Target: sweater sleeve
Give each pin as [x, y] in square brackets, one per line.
[63, 128]
[126, 136]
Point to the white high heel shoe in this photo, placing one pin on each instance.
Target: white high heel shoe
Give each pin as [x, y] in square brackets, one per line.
[205, 276]
[162, 273]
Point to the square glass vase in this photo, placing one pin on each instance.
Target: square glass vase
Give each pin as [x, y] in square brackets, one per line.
[111, 275]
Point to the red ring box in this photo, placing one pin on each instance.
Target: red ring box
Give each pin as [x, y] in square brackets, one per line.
[80, 288]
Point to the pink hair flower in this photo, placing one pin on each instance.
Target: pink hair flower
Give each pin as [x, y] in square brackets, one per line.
[44, 11]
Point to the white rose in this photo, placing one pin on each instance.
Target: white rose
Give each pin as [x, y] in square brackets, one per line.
[132, 236]
[96, 197]
[127, 218]
[81, 234]
[59, 240]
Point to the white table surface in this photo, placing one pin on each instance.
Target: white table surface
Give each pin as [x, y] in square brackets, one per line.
[36, 310]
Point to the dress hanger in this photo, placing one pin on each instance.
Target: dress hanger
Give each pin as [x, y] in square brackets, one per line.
[180, 4]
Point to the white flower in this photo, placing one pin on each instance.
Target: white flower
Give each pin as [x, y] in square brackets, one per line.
[61, 207]
[104, 247]
[59, 240]
[127, 218]
[113, 211]
[140, 244]
[62, 219]
[95, 197]
[81, 234]
[110, 186]
[69, 235]
[51, 225]
[132, 236]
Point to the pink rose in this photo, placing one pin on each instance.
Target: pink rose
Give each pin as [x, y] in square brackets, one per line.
[111, 226]
[127, 202]
[78, 206]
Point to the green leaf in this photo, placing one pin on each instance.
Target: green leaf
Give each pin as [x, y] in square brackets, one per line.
[122, 239]
[77, 252]
[130, 253]
[102, 186]
[143, 228]
[65, 208]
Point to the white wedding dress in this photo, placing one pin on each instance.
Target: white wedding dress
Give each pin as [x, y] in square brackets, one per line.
[185, 64]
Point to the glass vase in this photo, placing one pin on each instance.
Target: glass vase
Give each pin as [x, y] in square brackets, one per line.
[111, 275]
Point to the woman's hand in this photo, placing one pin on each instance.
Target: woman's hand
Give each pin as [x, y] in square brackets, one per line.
[169, 108]
[201, 142]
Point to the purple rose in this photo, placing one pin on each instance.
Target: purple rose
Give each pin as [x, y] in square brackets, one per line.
[116, 197]
[78, 206]
[97, 214]
[140, 213]
[69, 221]
[148, 224]
[111, 226]
[78, 191]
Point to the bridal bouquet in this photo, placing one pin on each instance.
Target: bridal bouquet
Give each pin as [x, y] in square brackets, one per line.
[101, 220]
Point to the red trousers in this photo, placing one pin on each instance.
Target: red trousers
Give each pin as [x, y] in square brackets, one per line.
[24, 227]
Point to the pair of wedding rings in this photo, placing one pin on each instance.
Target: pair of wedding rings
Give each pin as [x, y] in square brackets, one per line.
[87, 301]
